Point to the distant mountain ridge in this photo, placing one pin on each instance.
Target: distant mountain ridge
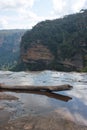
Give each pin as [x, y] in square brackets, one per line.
[59, 44]
[10, 47]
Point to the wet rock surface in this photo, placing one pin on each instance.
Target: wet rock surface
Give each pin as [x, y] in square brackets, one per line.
[27, 110]
[42, 122]
[4, 96]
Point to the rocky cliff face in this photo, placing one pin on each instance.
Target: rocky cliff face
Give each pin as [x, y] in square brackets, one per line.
[60, 44]
[37, 52]
[9, 47]
[37, 56]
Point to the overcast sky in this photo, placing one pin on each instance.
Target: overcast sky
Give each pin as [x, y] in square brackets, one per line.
[15, 14]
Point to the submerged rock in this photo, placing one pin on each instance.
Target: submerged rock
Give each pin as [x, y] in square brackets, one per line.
[7, 97]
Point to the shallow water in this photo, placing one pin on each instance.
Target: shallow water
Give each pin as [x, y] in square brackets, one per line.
[71, 105]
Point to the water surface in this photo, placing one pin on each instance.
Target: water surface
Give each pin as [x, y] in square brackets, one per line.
[71, 105]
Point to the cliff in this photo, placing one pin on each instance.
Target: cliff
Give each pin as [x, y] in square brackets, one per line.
[9, 47]
[59, 44]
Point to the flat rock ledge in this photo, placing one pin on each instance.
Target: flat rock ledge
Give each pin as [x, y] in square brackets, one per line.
[51, 121]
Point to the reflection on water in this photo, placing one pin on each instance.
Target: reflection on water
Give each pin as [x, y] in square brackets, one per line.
[68, 104]
[45, 93]
[53, 95]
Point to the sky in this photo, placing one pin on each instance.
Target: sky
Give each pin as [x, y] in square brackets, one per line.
[24, 14]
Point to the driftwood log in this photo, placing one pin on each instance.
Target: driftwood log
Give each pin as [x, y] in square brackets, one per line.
[36, 88]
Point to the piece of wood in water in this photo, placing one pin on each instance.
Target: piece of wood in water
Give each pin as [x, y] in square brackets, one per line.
[36, 88]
